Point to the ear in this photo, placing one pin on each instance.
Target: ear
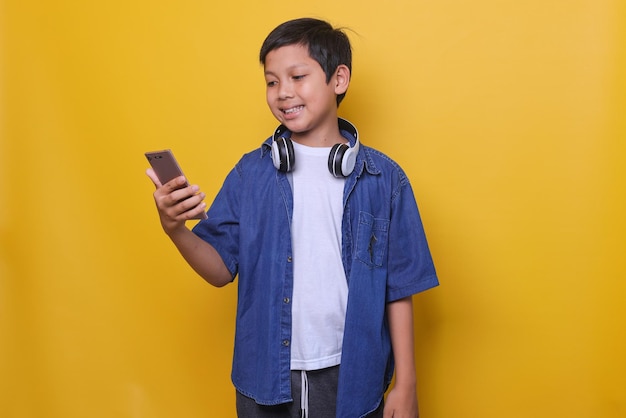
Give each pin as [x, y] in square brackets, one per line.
[342, 79]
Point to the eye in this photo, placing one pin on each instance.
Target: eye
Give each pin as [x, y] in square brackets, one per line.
[271, 83]
[299, 77]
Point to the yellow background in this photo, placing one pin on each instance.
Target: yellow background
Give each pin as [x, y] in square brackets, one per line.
[507, 115]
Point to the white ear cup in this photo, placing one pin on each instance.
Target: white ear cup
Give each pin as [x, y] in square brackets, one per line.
[335, 159]
[342, 159]
[349, 160]
[283, 156]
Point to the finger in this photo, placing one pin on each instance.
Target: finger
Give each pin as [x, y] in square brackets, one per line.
[189, 196]
[187, 209]
[187, 199]
[197, 208]
[175, 184]
[150, 173]
[199, 212]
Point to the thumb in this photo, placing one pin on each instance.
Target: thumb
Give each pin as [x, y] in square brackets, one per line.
[150, 173]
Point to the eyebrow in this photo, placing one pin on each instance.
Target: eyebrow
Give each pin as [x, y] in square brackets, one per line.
[290, 68]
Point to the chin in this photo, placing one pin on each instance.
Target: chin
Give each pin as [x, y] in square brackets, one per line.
[293, 125]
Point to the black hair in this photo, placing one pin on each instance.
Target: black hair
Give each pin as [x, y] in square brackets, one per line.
[328, 46]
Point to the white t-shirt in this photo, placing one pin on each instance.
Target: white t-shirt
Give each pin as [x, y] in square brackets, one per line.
[320, 287]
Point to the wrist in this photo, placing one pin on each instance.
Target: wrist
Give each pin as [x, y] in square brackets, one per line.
[405, 387]
[176, 231]
[406, 381]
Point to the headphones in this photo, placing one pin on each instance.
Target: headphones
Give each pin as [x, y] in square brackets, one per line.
[341, 159]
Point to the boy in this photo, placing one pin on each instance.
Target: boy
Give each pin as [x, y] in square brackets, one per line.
[327, 241]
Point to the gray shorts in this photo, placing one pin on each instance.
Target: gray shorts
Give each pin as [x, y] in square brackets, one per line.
[322, 398]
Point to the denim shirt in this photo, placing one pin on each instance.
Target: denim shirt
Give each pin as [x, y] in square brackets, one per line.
[385, 256]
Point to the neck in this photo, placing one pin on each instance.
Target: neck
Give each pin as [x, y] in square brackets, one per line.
[318, 138]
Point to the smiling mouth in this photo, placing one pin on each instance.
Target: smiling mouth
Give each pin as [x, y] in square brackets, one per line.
[292, 110]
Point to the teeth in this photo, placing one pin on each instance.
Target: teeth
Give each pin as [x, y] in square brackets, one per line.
[293, 109]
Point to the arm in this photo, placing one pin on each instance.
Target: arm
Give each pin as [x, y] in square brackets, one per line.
[402, 399]
[176, 205]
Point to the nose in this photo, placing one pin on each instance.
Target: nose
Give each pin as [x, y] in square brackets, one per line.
[285, 90]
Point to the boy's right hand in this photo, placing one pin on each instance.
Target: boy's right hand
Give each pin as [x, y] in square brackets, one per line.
[176, 202]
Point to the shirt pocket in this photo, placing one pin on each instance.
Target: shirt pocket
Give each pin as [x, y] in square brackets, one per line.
[372, 237]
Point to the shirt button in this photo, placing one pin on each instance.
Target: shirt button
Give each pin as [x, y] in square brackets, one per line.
[289, 259]
[286, 300]
[286, 343]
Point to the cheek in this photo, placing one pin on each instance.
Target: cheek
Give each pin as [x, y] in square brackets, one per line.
[316, 93]
[270, 98]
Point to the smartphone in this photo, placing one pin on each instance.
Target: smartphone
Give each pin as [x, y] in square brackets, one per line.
[166, 168]
[164, 165]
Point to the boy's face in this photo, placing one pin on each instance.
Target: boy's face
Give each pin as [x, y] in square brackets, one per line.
[299, 96]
